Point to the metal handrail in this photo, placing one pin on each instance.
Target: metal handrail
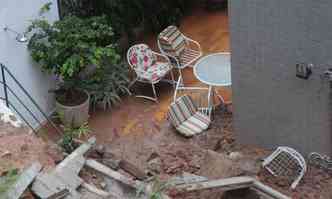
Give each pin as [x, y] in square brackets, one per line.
[7, 89]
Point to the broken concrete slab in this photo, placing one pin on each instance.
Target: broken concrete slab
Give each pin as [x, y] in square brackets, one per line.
[24, 180]
[49, 186]
[75, 161]
[64, 179]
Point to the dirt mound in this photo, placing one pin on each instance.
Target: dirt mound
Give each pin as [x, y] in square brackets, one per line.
[20, 150]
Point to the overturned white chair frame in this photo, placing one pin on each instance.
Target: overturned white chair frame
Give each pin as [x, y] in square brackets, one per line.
[204, 109]
[145, 73]
[184, 54]
[284, 159]
[186, 117]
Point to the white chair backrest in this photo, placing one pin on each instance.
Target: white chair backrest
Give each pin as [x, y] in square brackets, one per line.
[286, 162]
[171, 41]
[140, 57]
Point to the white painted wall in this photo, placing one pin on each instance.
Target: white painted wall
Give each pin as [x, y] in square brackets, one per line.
[17, 15]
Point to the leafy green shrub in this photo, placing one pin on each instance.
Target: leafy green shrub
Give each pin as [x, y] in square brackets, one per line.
[70, 48]
[70, 134]
[7, 181]
[158, 188]
[126, 15]
[108, 85]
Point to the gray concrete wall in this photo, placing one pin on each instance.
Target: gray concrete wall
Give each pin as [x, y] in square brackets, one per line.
[272, 107]
[17, 15]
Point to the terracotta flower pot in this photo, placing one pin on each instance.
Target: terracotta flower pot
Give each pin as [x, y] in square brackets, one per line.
[75, 115]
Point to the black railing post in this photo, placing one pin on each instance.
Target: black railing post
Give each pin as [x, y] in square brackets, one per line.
[30, 98]
[4, 84]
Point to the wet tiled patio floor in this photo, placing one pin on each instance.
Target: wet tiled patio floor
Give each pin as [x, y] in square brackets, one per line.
[139, 116]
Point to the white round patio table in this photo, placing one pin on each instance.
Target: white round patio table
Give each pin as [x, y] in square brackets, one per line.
[214, 70]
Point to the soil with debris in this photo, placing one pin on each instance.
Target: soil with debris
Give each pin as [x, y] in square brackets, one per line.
[18, 151]
[213, 154]
[316, 183]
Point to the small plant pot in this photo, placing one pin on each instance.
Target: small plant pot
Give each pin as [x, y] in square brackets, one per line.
[74, 115]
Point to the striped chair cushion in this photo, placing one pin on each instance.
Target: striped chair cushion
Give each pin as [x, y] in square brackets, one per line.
[181, 110]
[194, 125]
[172, 41]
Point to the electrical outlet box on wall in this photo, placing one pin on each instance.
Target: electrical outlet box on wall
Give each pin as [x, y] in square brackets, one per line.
[303, 71]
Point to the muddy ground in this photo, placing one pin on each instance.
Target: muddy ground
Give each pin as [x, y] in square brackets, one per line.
[213, 154]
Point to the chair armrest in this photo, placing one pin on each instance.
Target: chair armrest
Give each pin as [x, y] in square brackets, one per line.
[138, 71]
[177, 61]
[168, 55]
[195, 43]
[162, 58]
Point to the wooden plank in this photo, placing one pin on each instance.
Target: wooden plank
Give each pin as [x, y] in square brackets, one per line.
[95, 190]
[73, 195]
[268, 191]
[233, 184]
[111, 173]
[187, 178]
[113, 164]
[132, 169]
[224, 184]
[24, 180]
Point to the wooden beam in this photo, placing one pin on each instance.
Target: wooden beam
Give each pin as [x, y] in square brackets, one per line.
[224, 184]
[187, 178]
[111, 173]
[234, 183]
[24, 180]
[95, 190]
[268, 191]
[132, 169]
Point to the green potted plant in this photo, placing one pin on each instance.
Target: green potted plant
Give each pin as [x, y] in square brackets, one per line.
[108, 85]
[72, 49]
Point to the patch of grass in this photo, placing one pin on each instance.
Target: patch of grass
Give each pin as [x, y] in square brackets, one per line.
[67, 142]
[158, 187]
[7, 181]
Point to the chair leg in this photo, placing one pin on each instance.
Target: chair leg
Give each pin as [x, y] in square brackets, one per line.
[131, 84]
[172, 77]
[180, 76]
[154, 92]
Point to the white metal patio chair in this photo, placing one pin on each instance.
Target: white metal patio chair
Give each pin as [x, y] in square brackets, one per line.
[150, 67]
[286, 162]
[182, 50]
[187, 117]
